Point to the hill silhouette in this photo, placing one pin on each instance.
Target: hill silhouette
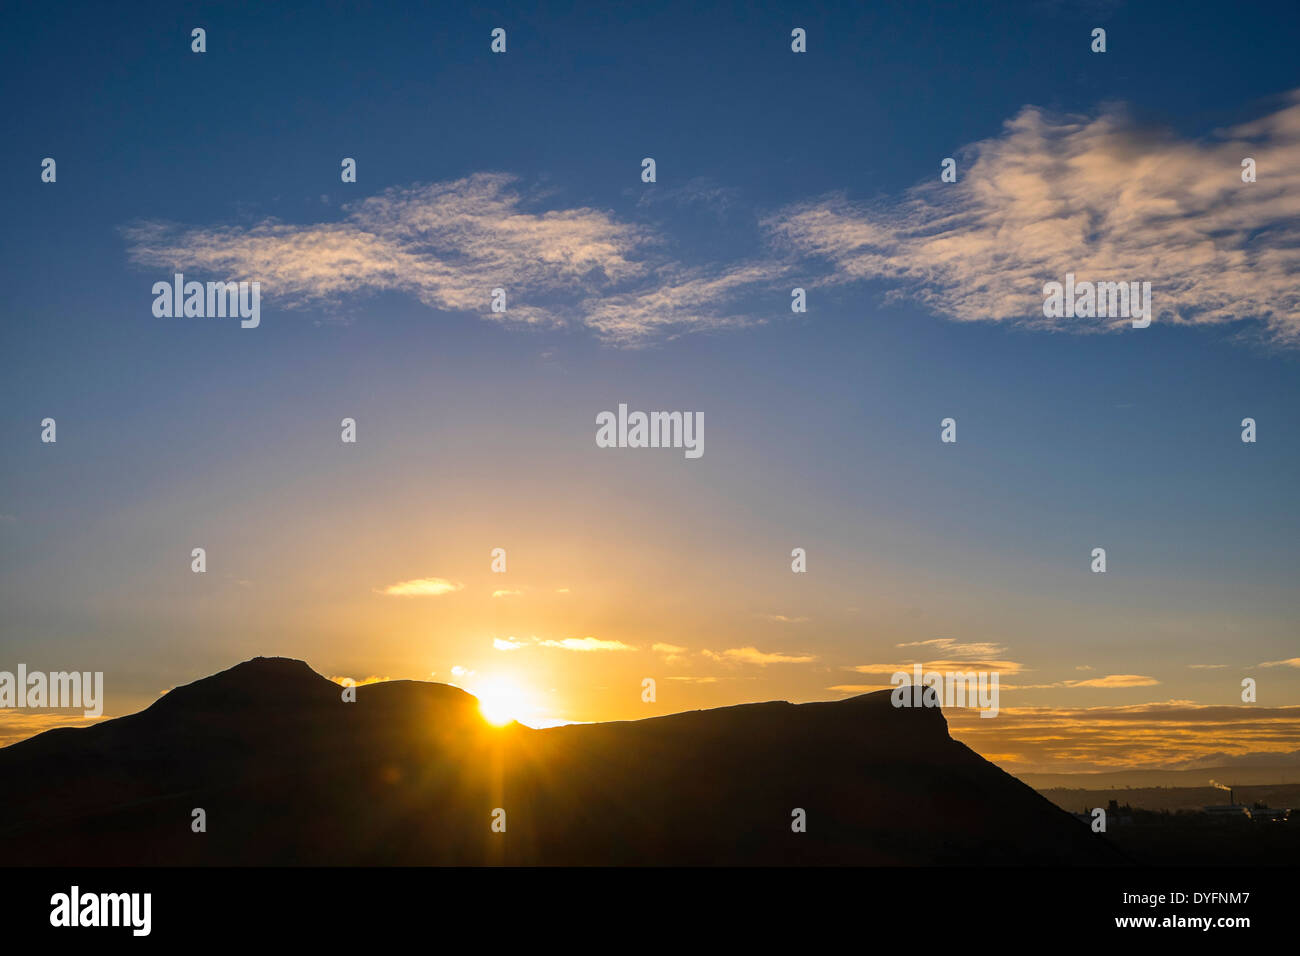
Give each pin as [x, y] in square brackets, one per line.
[409, 773]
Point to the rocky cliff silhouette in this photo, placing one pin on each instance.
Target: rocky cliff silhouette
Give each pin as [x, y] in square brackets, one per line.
[409, 773]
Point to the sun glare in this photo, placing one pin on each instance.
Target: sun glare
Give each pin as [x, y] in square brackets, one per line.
[502, 701]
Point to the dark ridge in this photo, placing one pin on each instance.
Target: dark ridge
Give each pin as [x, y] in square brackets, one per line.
[288, 773]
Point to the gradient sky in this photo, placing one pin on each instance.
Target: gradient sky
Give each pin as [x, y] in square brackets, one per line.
[476, 431]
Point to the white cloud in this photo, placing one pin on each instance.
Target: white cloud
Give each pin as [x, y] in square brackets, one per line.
[1098, 196]
[449, 244]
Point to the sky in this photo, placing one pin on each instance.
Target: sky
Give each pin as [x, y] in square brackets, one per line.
[476, 430]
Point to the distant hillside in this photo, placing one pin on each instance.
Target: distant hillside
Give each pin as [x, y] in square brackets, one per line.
[1232, 775]
[1278, 795]
[410, 774]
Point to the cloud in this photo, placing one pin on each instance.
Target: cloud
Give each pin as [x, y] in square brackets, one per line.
[587, 644]
[497, 594]
[970, 664]
[1096, 195]
[1289, 662]
[952, 648]
[581, 644]
[458, 671]
[1099, 195]
[1206, 667]
[752, 655]
[1115, 680]
[1109, 681]
[683, 300]
[450, 244]
[697, 680]
[422, 587]
[783, 619]
[1171, 734]
[672, 653]
[699, 191]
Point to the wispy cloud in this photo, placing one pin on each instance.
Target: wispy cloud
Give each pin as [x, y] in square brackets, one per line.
[450, 244]
[683, 300]
[673, 654]
[951, 648]
[1115, 680]
[1110, 681]
[581, 644]
[422, 587]
[662, 648]
[696, 680]
[1289, 662]
[752, 655]
[1097, 195]
[956, 656]
[587, 644]
[965, 664]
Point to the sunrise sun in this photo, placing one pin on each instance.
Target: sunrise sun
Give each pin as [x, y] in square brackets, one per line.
[502, 701]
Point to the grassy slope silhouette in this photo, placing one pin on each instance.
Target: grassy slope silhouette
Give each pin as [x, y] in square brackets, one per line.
[410, 774]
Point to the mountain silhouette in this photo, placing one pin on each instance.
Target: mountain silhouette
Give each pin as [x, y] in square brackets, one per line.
[287, 773]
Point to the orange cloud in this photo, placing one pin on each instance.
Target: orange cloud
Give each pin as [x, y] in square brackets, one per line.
[1171, 735]
[752, 655]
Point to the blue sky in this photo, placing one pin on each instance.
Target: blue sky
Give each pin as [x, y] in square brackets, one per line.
[821, 429]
